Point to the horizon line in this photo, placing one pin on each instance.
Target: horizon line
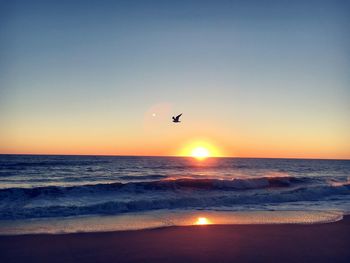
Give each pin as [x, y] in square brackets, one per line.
[177, 156]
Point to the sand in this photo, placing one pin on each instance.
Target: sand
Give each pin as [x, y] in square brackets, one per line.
[220, 243]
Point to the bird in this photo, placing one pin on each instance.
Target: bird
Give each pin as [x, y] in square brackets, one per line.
[177, 118]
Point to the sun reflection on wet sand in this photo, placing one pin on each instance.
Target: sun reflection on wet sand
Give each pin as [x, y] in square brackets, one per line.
[165, 218]
[202, 221]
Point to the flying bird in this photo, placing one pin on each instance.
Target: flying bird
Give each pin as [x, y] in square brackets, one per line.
[177, 118]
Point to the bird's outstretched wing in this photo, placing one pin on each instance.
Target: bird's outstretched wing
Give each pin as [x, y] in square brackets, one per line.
[178, 117]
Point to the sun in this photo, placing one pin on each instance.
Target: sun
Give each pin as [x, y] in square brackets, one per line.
[200, 153]
[199, 150]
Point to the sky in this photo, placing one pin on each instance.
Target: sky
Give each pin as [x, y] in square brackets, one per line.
[252, 78]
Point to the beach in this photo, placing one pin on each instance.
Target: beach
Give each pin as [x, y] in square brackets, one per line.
[171, 209]
[174, 131]
[208, 243]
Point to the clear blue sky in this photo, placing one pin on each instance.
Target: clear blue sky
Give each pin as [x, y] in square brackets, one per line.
[248, 75]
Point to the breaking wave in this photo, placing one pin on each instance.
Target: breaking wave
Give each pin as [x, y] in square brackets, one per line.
[179, 202]
[184, 193]
[165, 185]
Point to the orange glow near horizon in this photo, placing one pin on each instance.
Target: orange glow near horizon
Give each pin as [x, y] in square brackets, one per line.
[60, 140]
[202, 221]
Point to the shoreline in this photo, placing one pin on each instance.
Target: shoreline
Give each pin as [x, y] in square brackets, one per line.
[320, 242]
[162, 219]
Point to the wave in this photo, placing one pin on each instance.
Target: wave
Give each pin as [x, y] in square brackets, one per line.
[164, 185]
[142, 177]
[196, 200]
[340, 183]
[22, 165]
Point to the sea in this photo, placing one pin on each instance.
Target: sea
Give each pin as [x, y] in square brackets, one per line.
[63, 194]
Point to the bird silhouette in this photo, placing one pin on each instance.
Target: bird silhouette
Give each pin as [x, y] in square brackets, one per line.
[177, 118]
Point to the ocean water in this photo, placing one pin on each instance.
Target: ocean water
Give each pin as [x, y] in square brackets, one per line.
[49, 189]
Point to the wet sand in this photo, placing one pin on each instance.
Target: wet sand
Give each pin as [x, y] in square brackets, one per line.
[220, 243]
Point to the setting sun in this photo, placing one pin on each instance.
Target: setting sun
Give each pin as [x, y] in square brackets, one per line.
[200, 150]
[200, 153]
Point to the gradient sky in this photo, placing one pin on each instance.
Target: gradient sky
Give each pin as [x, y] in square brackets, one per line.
[252, 78]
